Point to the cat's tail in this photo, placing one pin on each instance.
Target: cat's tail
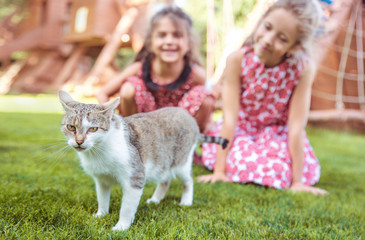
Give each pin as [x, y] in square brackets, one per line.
[213, 139]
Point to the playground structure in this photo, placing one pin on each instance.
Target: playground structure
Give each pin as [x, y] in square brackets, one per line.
[72, 44]
[338, 99]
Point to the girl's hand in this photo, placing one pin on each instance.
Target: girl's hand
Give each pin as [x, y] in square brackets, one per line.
[300, 187]
[212, 178]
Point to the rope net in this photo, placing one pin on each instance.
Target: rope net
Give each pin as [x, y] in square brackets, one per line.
[338, 90]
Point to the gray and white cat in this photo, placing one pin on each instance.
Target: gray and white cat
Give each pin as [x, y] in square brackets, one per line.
[129, 151]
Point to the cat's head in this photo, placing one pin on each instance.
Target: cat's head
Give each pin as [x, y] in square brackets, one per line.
[85, 125]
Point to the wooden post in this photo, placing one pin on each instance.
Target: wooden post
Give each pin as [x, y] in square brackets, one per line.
[110, 48]
[69, 66]
[228, 18]
[210, 38]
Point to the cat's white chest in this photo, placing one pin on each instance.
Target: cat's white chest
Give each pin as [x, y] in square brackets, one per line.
[109, 158]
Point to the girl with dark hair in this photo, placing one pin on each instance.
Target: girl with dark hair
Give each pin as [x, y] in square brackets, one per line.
[166, 72]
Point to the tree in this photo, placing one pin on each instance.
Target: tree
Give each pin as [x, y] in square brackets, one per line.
[8, 6]
[198, 11]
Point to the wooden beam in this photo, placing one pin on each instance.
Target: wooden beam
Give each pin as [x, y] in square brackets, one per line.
[336, 115]
[107, 53]
[69, 66]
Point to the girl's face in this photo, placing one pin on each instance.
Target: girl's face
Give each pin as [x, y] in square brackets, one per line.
[169, 43]
[276, 35]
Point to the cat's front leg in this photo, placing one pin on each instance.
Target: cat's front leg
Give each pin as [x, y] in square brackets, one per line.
[103, 196]
[130, 202]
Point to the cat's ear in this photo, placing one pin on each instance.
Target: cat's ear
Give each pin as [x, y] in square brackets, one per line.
[110, 106]
[65, 100]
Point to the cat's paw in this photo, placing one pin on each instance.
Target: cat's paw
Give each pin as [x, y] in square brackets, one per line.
[100, 214]
[151, 200]
[185, 202]
[121, 226]
[187, 198]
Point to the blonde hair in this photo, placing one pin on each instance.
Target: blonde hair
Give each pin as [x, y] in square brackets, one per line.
[308, 13]
[180, 19]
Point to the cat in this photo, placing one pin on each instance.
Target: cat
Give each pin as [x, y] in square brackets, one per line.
[155, 146]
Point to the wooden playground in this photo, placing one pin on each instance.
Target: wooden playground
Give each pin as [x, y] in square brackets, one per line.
[338, 98]
[71, 44]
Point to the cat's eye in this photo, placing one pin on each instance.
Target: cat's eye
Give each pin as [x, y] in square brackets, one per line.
[93, 129]
[71, 128]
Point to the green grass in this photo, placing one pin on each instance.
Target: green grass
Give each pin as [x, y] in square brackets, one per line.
[44, 193]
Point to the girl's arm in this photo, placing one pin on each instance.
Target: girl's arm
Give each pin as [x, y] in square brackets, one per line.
[231, 98]
[113, 86]
[298, 117]
[200, 75]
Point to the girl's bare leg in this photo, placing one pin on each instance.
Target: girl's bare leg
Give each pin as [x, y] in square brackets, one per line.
[127, 103]
[204, 113]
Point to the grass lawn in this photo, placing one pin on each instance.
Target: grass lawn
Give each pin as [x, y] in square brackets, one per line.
[44, 193]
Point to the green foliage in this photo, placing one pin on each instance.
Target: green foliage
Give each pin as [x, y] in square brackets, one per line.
[198, 12]
[44, 193]
[19, 55]
[8, 6]
[124, 57]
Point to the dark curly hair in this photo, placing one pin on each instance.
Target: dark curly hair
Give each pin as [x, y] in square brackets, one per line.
[180, 19]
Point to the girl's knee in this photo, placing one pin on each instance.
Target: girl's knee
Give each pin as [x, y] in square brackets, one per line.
[127, 100]
[127, 92]
[207, 105]
[203, 115]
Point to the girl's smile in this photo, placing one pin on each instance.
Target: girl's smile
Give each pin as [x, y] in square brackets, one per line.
[169, 43]
[276, 36]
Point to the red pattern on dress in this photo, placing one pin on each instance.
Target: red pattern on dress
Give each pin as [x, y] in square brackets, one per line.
[187, 96]
[260, 153]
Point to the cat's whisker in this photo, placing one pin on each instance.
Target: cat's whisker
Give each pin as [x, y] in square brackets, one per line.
[61, 138]
[54, 154]
[51, 155]
[48, 140]
[97, 153]
[61, 153]
[93, 152]
[100, 150]
[51, 146]
[43, 154]
[101, 153]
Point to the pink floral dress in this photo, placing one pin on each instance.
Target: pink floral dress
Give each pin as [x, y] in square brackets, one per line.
[260, 153]
[187, 96]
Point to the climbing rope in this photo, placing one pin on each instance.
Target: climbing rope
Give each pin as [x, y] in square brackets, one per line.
[334, 73]
[360, 60]
[354, 27]
[343, 61]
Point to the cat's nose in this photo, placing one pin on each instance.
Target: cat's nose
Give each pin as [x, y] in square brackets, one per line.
[79, 141]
